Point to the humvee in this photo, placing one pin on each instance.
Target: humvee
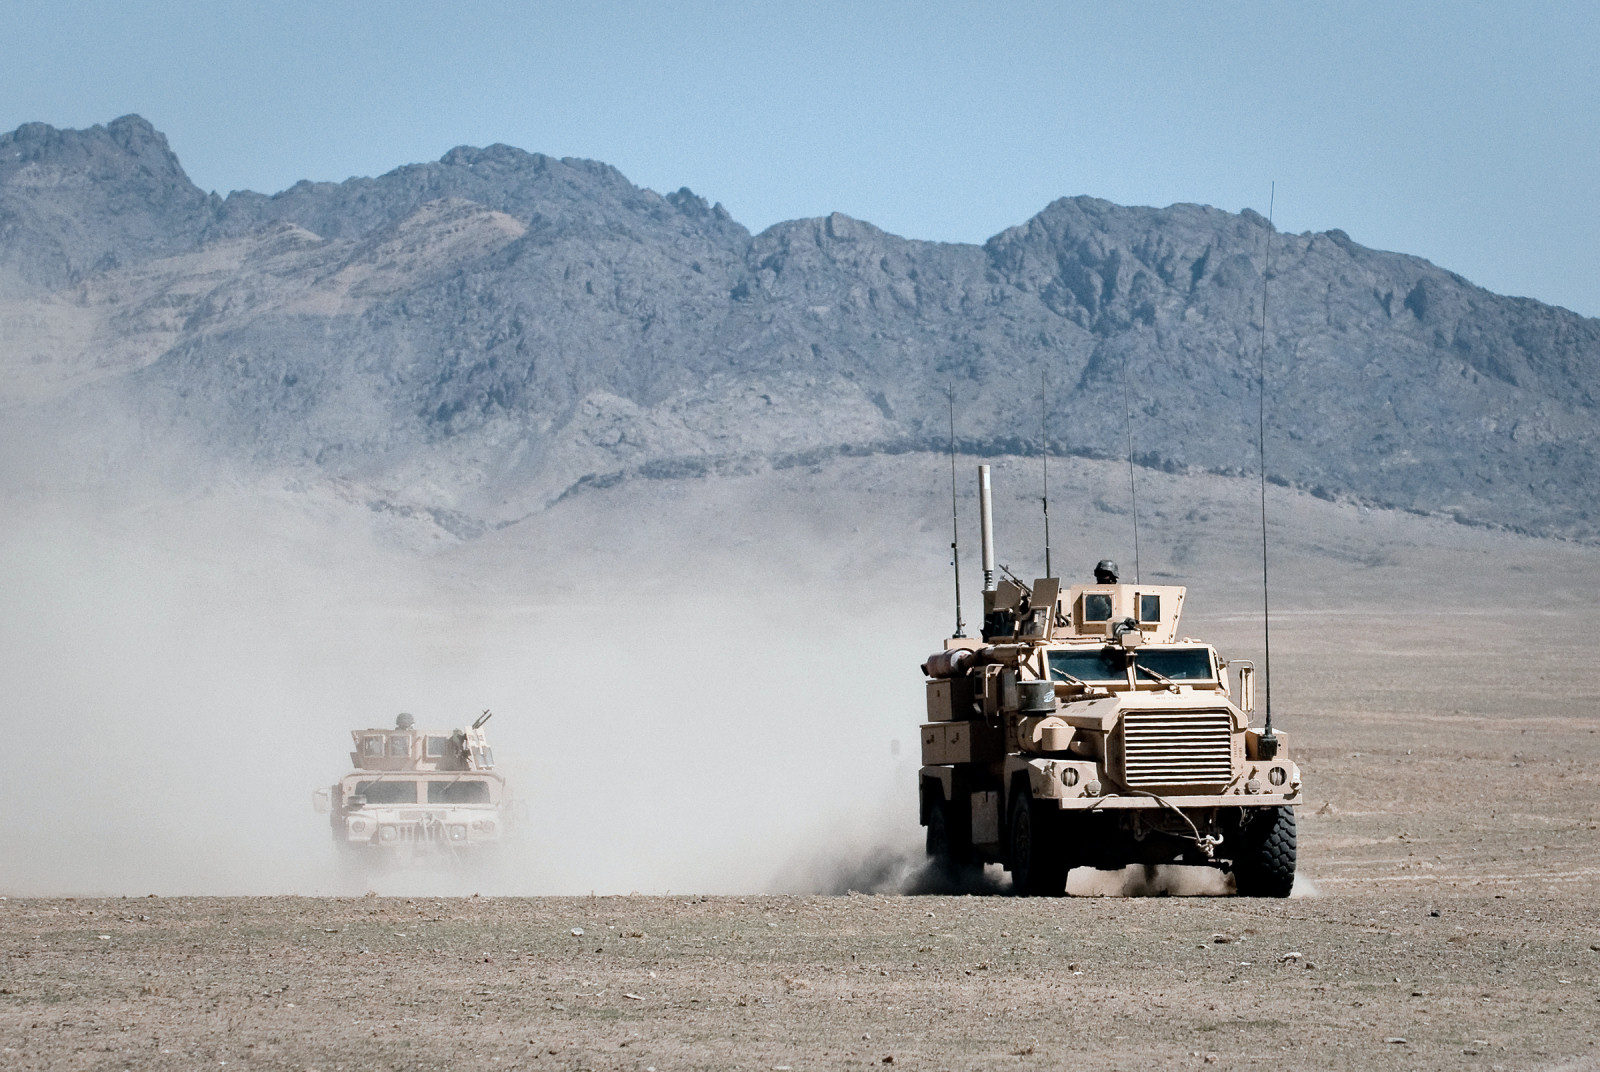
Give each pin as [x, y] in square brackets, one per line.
[1082, 731]
[416, 795]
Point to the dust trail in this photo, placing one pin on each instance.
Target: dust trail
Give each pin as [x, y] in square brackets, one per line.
[903, 868]
[1166, 880]
[1304, 888]
[891, 870]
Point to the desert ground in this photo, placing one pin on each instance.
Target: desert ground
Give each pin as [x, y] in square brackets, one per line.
[1436, 683]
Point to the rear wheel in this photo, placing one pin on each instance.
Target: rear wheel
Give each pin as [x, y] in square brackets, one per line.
[1034, 851]
[1264, 866]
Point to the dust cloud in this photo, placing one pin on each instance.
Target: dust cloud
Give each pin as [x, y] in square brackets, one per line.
[700, 686]
[178, 676]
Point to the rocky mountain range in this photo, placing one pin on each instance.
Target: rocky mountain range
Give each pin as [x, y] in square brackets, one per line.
[482, 335]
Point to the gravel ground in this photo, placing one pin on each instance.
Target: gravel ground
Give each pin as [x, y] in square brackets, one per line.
[1505, 974]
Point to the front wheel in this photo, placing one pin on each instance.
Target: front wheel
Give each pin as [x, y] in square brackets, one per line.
[1038, 867]
[1265, 864]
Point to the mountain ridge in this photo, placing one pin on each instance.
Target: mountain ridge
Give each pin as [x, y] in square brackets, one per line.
[489, 331]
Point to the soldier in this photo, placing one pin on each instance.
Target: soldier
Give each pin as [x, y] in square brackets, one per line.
[403, 721]
[1105, 572]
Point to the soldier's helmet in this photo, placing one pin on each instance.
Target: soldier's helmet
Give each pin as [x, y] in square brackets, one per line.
[1105, 572]
[403, 721]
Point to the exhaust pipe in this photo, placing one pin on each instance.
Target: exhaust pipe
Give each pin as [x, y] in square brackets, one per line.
[986, 528]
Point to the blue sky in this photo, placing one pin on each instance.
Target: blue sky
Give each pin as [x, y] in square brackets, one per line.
[1466, 133]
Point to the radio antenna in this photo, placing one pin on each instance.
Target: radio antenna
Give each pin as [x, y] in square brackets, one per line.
[1044, 453]
[955, 525]
[1133, 491]
[1268, 741]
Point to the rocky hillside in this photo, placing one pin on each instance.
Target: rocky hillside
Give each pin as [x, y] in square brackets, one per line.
[487, 333]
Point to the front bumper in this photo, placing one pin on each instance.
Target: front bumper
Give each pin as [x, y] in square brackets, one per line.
[1082, 785]
[398, 834]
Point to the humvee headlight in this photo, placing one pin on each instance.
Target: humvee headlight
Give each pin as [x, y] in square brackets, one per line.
[458, 833]
[358, 826]
[1277, 775]
[1069, 775]
[388, 833]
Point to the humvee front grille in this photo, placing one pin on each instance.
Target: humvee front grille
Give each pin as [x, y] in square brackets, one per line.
[1165, 748]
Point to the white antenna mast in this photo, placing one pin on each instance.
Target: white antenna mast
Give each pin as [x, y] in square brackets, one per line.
[1268, 741]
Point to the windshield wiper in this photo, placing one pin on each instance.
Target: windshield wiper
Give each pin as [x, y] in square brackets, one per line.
[1068, 678]
[1167, 681]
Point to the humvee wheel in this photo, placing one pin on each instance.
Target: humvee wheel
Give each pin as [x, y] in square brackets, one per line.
[1034, 855]
[1265, 864]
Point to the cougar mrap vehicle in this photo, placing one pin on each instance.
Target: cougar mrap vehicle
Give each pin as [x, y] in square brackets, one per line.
[1082, 731]
[418, 795]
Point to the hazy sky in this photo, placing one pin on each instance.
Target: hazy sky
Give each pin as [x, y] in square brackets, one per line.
[1466, 133]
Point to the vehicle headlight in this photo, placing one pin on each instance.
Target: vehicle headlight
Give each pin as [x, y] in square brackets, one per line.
[358, 826]
[1069, 775]
[1277, 775]
[388, 833]
[458, 832]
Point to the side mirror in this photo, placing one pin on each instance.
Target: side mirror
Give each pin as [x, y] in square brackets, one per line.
[321, 802]
[1246, 700]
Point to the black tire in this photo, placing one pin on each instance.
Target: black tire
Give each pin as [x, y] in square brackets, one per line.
[948, 843]
[1033, 849]
[938, 842]
[1264, 866]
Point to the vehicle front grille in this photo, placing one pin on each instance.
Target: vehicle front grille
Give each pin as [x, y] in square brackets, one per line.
[1177, 748]
[419, 833]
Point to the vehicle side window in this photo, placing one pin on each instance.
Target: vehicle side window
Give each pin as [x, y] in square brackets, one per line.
[1096, 607]
[399, 746]
[436, 746]
[372, 746]
[1149, 608]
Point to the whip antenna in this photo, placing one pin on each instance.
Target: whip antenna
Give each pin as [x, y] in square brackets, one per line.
[1133, 491]
[955, 525]
[1044, 453]
[1268, 741]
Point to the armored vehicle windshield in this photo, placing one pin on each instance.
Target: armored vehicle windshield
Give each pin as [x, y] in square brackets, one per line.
[1108, 665]
[1095, 666]
[1176, 664]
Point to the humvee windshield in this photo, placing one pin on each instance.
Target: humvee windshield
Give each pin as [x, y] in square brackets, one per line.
[388, 792]
[1178, 664]
[458, 792]
[1098, 666]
